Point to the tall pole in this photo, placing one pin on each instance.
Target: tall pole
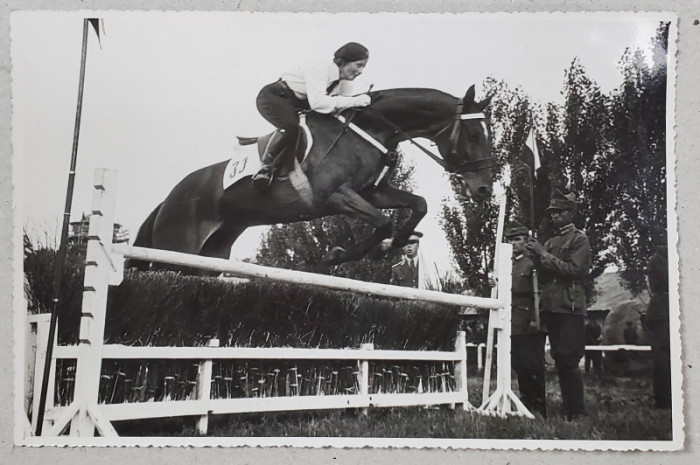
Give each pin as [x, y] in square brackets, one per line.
[61, 258]
[533, 231]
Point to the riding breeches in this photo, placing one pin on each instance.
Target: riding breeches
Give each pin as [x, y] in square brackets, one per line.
[278, 105]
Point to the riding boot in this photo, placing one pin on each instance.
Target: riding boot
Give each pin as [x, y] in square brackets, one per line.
[574, 380]
[271, 159]
[539, 399]
[565, 394]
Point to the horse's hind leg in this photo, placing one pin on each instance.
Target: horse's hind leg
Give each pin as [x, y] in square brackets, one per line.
[347, 201]
[218, 245]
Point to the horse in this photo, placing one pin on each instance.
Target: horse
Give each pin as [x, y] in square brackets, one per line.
[200, 217]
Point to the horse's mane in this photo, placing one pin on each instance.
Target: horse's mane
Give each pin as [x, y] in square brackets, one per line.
[402, 103]
[388, 99]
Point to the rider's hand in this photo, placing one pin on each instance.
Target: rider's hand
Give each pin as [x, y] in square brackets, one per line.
[361, 100]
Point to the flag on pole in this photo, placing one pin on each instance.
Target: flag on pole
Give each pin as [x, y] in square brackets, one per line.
[531, 155]
[98, 24]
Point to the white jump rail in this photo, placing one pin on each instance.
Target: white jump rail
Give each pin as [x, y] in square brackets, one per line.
[104, 267]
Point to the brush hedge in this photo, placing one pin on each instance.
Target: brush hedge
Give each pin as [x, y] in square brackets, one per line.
[169, 309]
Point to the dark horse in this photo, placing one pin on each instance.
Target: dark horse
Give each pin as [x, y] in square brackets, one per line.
[200, 217]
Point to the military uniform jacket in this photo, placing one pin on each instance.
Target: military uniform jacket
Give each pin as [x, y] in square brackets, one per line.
[523, 300]
[564, 271]
[657, 272]
[403, 275]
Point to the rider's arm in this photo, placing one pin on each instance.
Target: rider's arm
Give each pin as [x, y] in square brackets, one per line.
[317, 79]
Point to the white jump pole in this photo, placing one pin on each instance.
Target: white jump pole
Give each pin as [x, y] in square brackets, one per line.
[301, 277]
[83, 415]
[493, 313]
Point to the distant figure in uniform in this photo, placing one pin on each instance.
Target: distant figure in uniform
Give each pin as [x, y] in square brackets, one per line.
[656, 322]
[593, 338]
[526, 338]
[564, 262]
[323, 87]
[405, 273]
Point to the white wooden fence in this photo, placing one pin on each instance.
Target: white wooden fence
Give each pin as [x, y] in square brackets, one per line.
[104, 267]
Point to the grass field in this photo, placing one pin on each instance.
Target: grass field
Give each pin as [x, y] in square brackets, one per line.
[619, 408]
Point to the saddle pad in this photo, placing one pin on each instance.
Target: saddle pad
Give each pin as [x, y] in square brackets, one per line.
[245, 162]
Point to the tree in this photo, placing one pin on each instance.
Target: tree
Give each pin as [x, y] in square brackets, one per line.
[638, 170]
[580, 156]
[301, 246]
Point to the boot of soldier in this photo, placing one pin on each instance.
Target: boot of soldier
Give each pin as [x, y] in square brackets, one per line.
[574, 380]
[539, 399]
[565, 395]
[278, 142]
[525, 388]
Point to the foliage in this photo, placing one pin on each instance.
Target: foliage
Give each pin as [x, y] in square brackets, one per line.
[639, 136]
[610, 148]
[39, 272]
[188, 311]
[301, 246]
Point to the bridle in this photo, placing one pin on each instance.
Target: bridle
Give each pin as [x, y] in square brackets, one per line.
[467, 165]
[455, 125]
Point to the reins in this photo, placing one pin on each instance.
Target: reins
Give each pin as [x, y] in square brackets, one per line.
[474, 165]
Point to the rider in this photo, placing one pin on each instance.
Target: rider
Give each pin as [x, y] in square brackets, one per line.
[324, 89]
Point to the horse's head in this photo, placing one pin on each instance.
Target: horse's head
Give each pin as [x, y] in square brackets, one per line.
[466, 149]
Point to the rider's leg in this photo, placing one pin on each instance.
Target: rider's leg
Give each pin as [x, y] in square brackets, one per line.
[279, 106]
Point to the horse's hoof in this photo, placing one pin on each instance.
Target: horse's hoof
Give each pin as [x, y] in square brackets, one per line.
[334, 256]
[386, 245]
[379, 251]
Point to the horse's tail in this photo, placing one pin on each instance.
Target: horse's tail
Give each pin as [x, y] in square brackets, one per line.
[144, 238]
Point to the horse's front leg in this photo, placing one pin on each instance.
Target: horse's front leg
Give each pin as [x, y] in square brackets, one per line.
[349, 202]
[387, 196]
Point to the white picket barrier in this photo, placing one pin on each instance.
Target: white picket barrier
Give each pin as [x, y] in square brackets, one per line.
[104, 267]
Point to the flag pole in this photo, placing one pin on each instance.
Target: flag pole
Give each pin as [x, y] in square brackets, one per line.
[533, 231]
[61, 257]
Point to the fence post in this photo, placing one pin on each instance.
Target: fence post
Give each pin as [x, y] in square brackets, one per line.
[98, 272]
[461, 368]
[503, 356]
[204, 389]
[364, 374]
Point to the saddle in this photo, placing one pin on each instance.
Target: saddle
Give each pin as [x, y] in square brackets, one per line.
[301, 148]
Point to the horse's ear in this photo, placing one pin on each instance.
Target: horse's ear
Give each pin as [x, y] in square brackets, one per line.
[483, 104]
[469, 96]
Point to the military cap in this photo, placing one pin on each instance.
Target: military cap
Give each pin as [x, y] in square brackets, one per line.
[516, 229]
[415, 236]
[562, 200]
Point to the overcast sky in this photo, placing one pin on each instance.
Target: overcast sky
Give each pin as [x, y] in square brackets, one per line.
[168, 92]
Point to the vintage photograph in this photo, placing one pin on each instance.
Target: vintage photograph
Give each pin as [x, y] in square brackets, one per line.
[346, 229]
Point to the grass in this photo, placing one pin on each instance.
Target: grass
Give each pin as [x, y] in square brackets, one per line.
[619, 408]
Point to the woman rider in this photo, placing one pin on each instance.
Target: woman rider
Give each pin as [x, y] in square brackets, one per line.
[325, 89]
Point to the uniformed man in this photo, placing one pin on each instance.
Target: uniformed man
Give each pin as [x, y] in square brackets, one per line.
[405, 272]
[564, 263]
[657, 323]
[527, 339]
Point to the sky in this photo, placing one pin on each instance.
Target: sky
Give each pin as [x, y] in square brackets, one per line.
[167, 92]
